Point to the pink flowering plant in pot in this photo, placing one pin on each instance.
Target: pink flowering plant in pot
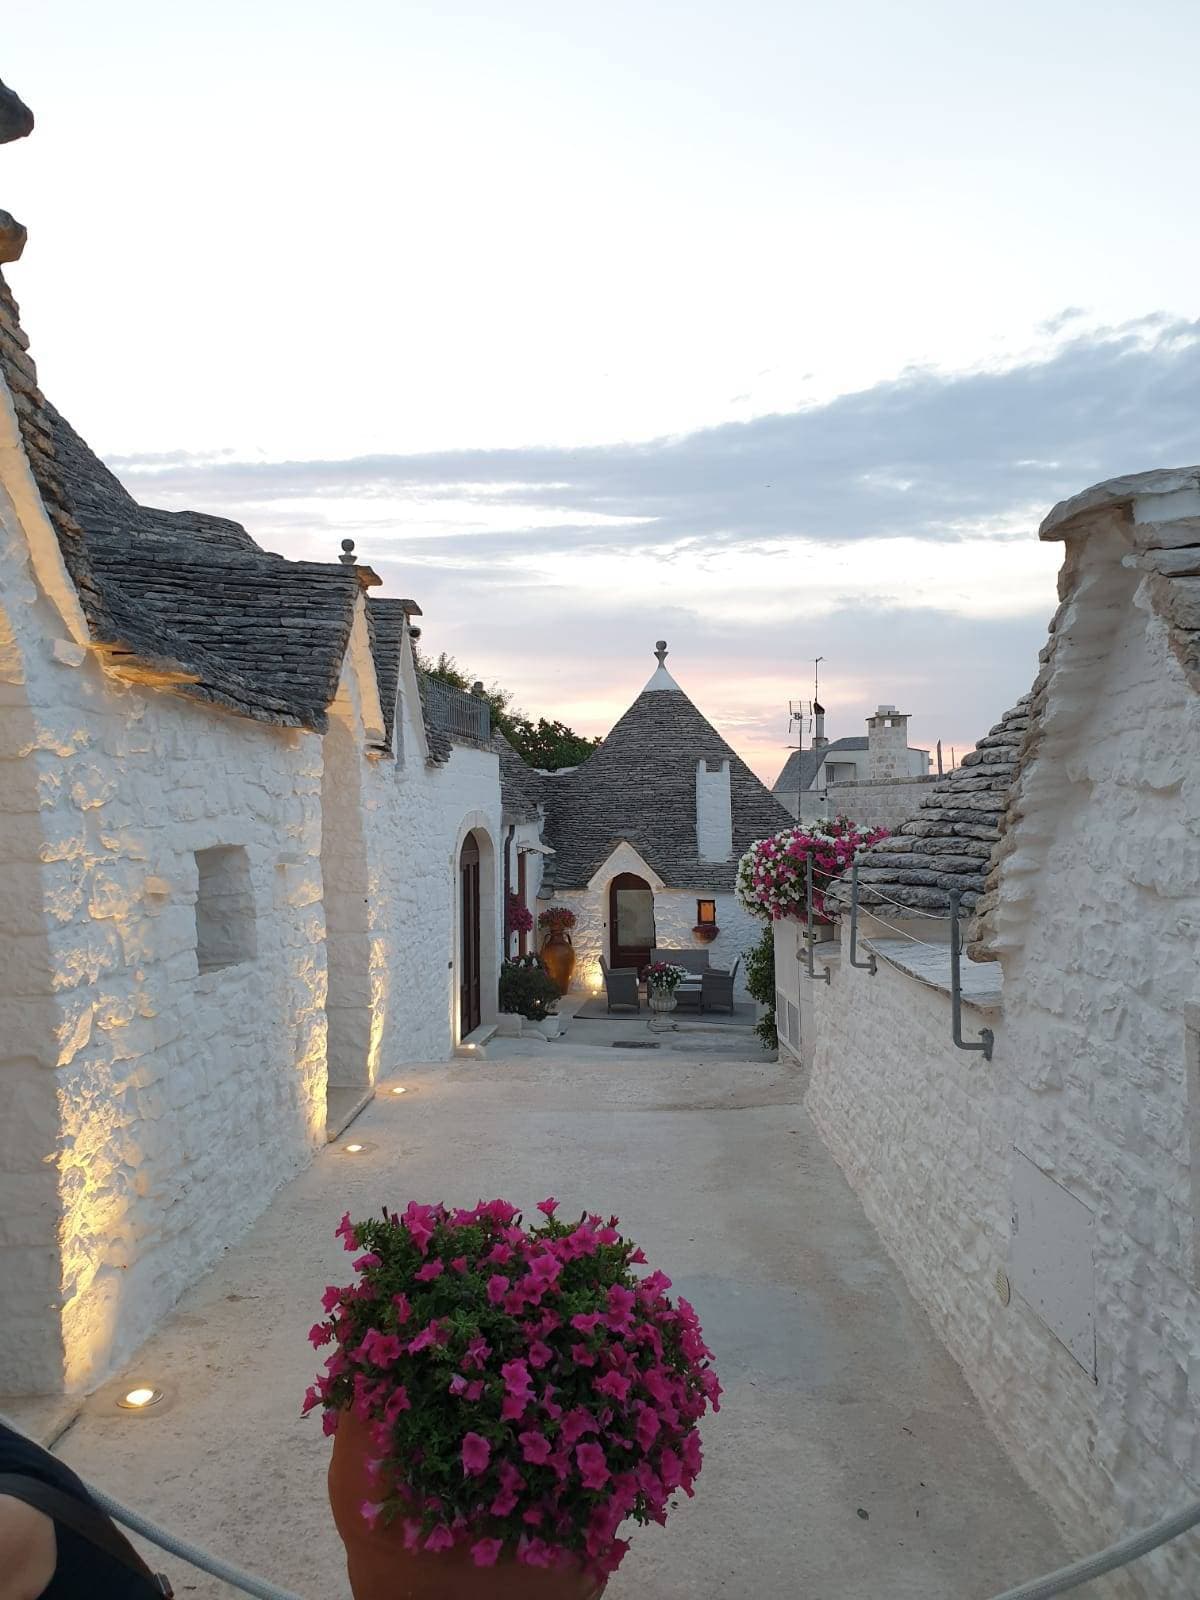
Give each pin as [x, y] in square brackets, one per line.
[522, 1390]
[772, 877]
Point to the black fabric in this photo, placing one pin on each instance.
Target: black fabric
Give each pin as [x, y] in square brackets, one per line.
[83, 1572]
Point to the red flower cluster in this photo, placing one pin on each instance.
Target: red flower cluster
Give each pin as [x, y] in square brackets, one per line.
[527, 1392]
[518, 917]
[556, 917]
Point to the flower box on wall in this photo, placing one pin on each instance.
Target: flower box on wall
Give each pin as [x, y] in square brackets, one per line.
[706, 932]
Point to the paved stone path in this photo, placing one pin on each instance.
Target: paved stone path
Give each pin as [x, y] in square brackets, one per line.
[848, 1461]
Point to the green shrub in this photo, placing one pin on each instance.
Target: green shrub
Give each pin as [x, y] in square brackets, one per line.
[760, 980]
[526, 988]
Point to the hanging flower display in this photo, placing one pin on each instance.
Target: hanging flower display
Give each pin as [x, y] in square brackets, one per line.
[772, 875]
[518, 918]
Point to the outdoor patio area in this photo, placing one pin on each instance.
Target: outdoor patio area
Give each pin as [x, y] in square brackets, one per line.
[848, 1460]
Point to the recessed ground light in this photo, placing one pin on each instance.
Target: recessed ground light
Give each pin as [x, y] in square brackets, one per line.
[353, 1149]
[356, 1147]
[140, 1398]
[398, 1088]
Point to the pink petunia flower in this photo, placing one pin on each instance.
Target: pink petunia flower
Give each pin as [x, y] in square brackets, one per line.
[440, 1539]
[535, 1447]
[371, 1510]
[486, 1552]
[430, 1271]
[593, 1469]
[549, 1207]
[476, 1453]
[497, 1288]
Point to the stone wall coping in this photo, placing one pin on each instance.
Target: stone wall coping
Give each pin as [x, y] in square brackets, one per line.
[982, 984]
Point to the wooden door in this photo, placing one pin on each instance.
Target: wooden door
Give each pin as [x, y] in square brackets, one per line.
[630, 921]
[469, 1009]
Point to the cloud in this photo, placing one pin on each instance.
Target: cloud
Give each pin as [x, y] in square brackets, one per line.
[929, 455]
[890, 530]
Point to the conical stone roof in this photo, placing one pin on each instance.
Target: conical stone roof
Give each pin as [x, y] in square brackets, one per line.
[640, 786]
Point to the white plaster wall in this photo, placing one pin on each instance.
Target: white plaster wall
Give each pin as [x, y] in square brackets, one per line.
[183, 1100]
[1089, 1079]
[416, 816]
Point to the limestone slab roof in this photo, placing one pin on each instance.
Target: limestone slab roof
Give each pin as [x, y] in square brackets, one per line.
[801, 767]
[947, 843]
[640, 786]
[187, 595]
[520, 784]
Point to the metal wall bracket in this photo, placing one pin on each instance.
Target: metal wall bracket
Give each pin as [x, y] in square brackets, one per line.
[823, 976]
[870, 964]
[986, 1037]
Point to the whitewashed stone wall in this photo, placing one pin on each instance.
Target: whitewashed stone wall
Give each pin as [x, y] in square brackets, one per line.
[149, 1109]
[417, 817]
[1089, 1080]
[157, 1107]
[871, 805]
[674, 919]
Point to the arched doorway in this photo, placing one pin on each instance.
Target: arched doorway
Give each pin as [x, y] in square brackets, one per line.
[470, 969]
[630, 921]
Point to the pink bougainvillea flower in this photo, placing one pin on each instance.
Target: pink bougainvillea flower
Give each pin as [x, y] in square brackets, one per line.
[549, 1207]
[486, 1552]
[430, 1271]
[476, 1453]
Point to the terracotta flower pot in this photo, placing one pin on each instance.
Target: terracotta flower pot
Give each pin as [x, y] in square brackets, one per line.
[558, 958]
[380, 1568]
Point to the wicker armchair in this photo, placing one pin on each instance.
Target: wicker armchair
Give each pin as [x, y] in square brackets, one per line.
[716, 989]
[621, 987]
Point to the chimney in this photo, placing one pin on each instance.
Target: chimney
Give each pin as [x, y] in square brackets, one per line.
[714, 812]
[819, 739]
[887, 745]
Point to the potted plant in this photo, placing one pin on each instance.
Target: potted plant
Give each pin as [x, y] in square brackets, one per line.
[502, 1398]
[528, 991]
[558, 953]
[772, 877]
[662, 980]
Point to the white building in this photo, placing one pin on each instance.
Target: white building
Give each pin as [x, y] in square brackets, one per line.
[1044, 1204]
[870, 780]
[244, 871]
[647, 835]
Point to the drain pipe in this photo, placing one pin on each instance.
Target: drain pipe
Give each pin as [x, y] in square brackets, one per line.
[512, 829]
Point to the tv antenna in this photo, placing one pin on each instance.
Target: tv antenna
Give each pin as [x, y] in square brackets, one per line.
[801, 710]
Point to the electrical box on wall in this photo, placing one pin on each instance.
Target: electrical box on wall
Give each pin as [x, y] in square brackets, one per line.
[1051, 1258]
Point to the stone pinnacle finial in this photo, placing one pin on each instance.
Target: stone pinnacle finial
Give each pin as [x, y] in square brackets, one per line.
[347, 557]
[16, 119]
[660, 650]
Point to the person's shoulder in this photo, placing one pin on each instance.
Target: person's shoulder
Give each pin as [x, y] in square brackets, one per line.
[28, 1553]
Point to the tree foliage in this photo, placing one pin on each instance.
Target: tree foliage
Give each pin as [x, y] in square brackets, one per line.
[760, 981]
[544, 743]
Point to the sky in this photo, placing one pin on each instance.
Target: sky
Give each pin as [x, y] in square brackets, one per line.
[771, 328]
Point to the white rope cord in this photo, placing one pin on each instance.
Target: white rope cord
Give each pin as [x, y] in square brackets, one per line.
[1117, 1555]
